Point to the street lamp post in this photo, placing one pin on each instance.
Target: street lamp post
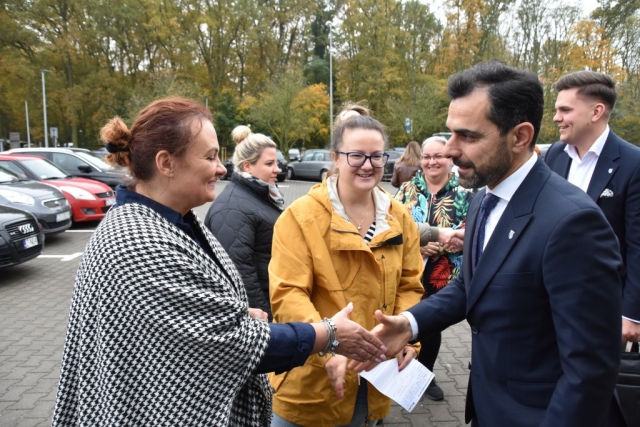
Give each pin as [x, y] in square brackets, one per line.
[44, 109]
[330, 25]
[26, 111]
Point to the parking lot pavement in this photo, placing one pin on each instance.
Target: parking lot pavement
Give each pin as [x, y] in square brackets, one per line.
[34, 306]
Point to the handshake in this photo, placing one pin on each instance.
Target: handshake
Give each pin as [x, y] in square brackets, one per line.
[388, 339]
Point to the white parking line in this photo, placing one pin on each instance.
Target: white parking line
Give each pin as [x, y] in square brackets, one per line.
[63, 258]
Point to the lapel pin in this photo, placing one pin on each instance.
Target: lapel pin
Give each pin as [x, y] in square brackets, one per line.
[610, 170]
[511, 233]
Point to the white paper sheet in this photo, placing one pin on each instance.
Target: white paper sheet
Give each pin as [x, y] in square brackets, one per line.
[405, 387]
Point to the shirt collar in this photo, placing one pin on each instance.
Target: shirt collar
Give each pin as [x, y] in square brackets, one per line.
[508, 187]
[124, 196]
[596, 147]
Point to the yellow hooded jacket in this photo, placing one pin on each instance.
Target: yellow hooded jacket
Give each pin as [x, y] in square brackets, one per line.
[319, 264]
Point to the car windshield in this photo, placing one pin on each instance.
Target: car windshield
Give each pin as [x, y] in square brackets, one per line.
[7, 176]
[44, 169]
[94, 160]
[279, 155]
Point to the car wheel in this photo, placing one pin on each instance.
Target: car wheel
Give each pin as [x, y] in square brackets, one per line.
[281, 177]
[290, 173]
[322, 174]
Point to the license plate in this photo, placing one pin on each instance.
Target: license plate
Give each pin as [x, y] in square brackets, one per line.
[30, 242]
[63, 216]
[110, 202]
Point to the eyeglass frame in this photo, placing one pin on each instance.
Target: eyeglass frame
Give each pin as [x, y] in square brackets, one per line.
[385, 156]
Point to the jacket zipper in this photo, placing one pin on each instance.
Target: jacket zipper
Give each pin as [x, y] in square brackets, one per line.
[384, 284]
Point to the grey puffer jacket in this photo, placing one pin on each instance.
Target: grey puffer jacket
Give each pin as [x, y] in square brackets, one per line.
[242, 219]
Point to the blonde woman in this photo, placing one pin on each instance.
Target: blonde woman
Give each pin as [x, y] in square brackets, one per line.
[243, 215]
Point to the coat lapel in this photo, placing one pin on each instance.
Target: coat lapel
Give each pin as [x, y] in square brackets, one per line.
[605, 167]
[510, 227]
[563, 163]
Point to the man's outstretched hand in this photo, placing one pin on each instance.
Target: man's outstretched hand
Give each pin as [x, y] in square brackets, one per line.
[393, 331]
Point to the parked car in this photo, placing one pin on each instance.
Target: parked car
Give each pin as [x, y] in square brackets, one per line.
[79, 162]
[45, 202]
[314, 164]
[391, 163]
[294, 154]
[89, 199]
[21, 237]
[282, 164]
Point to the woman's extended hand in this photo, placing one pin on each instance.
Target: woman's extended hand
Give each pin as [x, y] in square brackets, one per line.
[336, 370]
[355, 342]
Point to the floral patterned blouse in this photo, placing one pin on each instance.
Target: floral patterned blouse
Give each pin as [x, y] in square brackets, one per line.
[446, 208]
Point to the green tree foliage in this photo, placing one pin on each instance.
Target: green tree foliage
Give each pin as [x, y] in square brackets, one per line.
[290, 112]
[110, 57]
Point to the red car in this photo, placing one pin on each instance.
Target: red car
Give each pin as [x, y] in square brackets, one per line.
[90, 200]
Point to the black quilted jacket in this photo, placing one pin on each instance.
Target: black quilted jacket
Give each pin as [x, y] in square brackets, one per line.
[242, 219]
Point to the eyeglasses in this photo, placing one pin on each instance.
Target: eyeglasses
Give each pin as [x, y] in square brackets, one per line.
[436, 157]
[356, 159]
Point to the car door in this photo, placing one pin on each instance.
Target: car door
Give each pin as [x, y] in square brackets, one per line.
[305, 164]
[70, 164]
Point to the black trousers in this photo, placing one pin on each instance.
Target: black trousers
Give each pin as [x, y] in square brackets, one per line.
[430, 347]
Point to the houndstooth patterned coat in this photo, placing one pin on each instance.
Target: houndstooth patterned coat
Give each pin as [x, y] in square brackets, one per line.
[159, 333]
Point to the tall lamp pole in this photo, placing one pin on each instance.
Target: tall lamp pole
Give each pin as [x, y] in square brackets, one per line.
[26, 111]
[44, 109]
[330, 25]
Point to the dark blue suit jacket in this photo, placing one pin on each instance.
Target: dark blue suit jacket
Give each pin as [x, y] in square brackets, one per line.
[543, 306]
[617, 170]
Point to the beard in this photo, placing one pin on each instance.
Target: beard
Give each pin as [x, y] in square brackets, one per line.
[486, 174]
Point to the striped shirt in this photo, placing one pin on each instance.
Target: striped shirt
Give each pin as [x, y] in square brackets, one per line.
[367, 237]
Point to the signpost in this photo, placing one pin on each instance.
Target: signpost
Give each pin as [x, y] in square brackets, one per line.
[54, 135]
[14, 139]
[407, 125]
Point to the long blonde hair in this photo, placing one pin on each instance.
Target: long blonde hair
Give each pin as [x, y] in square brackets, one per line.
[412, 155]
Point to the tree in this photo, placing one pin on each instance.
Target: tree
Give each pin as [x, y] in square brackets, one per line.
[289, 112]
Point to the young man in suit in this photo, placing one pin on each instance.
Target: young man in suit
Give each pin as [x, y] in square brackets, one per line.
[606, 167]
[540, 283]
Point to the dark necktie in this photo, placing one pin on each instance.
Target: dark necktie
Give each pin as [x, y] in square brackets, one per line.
[488, 204]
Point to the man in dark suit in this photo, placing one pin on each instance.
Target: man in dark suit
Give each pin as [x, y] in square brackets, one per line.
[606, 167]
[540, 283]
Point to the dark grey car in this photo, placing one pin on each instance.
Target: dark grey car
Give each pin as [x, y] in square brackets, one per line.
[21, 237]
[391, 163]
[79, 162]
[313, 165]
[45, 202]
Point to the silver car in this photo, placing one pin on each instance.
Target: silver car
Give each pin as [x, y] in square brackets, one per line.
[314, 164]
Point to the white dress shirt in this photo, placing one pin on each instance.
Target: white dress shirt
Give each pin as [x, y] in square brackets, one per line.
[505, 191]
[581, 170]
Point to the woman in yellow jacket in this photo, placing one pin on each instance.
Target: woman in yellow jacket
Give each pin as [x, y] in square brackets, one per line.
[345, 241]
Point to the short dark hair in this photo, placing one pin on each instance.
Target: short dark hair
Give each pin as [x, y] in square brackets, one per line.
[591, 84]
[516, 95]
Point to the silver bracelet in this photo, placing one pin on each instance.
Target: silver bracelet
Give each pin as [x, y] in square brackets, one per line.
[332, 342]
